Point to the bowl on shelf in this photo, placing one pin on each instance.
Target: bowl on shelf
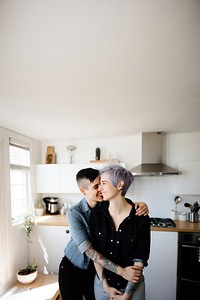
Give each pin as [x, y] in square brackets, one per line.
[26, 279]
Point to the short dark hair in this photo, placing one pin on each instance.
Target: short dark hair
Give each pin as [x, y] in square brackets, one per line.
[87, 173]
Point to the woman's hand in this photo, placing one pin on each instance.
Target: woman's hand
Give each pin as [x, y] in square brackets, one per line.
[112, 292]
[121, 297]
[141, 208]
[132, 273]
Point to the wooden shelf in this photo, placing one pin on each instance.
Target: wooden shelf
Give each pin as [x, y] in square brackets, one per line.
[44, 287]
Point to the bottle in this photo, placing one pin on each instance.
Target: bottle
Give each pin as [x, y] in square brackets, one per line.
[62, 210]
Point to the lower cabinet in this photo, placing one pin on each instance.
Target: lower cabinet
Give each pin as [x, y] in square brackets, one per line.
[161, 272]
[47, 247]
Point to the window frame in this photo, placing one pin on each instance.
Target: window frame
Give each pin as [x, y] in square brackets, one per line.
[26, 187]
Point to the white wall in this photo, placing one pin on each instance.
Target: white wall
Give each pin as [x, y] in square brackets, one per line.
[157, 192]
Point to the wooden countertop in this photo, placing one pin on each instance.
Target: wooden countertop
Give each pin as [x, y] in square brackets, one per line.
[60, 220]
[51, 220]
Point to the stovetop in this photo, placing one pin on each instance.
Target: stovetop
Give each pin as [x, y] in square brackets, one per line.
[162, 222]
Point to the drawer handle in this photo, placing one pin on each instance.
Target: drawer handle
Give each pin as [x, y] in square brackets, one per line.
[67, 231]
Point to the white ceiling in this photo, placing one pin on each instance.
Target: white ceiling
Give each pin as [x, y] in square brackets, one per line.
[84, 69]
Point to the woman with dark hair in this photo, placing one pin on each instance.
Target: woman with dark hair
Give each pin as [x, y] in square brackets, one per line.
[120, 235]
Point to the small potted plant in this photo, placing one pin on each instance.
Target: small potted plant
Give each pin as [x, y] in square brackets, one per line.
[28, 274]
[28, 225]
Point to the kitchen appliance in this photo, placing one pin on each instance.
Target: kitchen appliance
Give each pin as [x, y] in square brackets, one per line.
[188, 268]
[152, 150]
[162, 222]
[52, 206]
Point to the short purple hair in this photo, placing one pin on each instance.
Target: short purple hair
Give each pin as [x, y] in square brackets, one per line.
[116, 174]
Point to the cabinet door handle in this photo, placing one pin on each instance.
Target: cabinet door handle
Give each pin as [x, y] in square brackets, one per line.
[67, 231]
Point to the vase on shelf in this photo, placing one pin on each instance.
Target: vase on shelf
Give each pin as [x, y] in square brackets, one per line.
[97, 153]
[71, 149]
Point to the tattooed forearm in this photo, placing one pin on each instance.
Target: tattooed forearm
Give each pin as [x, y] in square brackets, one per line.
[130, 288]
[92, 254]
[100, 259]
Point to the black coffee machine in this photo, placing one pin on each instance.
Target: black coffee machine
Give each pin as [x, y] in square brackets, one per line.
[52, 206]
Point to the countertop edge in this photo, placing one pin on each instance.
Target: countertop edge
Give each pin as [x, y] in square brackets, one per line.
[61, 220]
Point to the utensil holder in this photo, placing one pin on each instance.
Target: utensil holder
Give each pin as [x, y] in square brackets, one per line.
[193, 217]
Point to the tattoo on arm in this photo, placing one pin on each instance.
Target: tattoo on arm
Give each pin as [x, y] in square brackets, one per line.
[130, 288]
[100, 259]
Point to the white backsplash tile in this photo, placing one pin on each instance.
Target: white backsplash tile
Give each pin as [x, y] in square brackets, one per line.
[157, 192]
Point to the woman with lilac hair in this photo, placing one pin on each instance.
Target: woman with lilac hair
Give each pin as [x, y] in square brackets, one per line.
[120, 235]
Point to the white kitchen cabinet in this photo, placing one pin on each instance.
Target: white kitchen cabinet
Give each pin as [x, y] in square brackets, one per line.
[189, 181]
[60, 178]
[161, 272]
[47, 178]
[47, 246]
[68, 173]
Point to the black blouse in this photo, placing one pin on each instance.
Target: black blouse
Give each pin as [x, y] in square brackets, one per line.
[130, 242]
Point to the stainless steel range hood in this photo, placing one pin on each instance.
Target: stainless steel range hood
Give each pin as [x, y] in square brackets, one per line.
[152, 157]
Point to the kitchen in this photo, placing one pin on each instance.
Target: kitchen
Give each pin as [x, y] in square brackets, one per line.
[26, 83]
[157, 191]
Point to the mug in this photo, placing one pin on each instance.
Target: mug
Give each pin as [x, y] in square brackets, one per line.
[182, 217]
[39, 212]
[193, 217]
[173, 214]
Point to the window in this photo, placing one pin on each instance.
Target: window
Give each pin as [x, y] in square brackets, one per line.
[21, 203]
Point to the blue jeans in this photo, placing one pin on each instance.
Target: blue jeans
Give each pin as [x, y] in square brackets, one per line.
[100, 294]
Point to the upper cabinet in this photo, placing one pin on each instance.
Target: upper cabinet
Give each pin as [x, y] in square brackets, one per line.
[47, 178]
[57, 178]
[67, 178]
[189, 181]
[60, 178]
